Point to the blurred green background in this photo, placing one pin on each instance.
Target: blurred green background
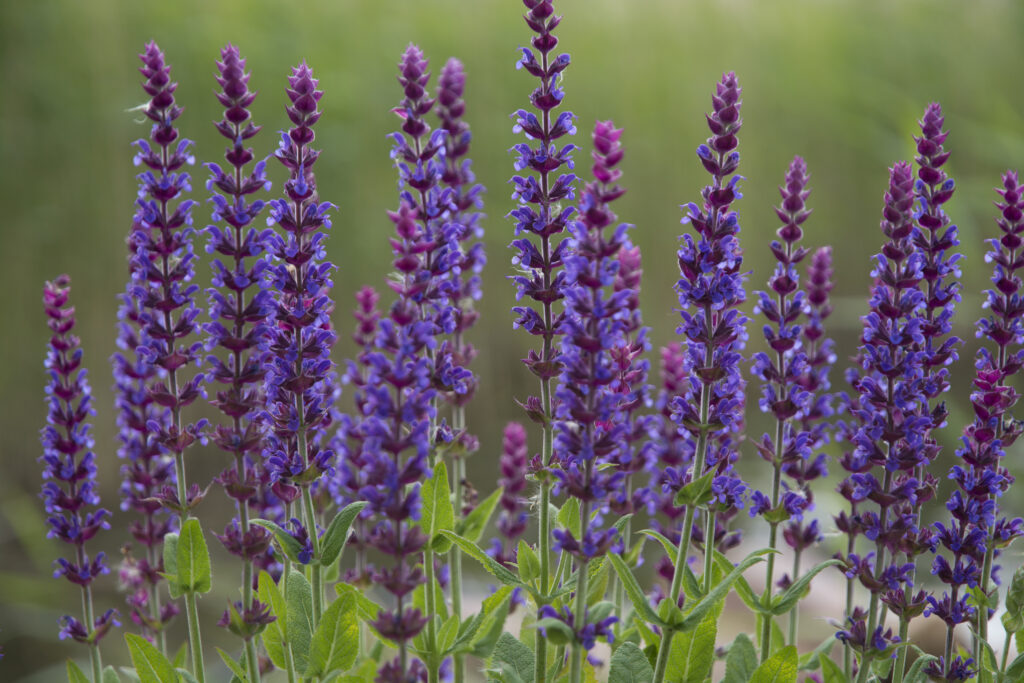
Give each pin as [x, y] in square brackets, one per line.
[841, 82]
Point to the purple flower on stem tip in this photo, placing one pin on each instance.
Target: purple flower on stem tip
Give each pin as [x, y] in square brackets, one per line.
[69, 490]
[238, 310]
[513, 518]
[163, 266]
[299, 361]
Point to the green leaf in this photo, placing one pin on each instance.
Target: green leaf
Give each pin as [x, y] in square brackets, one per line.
[193, 559]
[270, 595]
[741, 662]
[334, 538]
[720, 590]
[697, 492]
[629, 665]
[273, 642]
[529, 564]
[1016, 669]
[831, 673]
[469, 628]
[788, 600]
[634, 591]
[490, 564]
[916, 672]
[493, 614]
[511, 655]
[336, 641]
[742, 587]
[1013, 618]
[475, 523]
[171, 564]
[671, 549]
[185, 676]
[447, 634]
[235, 667]
[110, 675]
[569, 517]
[438, 513]
[150, 664]
[75, 674]
[288, 543]
[299, 598]
[178, 660]
[779, 668]
[692, 653]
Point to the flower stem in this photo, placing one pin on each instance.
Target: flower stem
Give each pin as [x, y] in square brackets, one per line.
[580, 608]
[455, 554]
[195, 641]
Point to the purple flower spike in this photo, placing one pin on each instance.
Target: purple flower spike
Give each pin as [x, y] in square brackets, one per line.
[69, 491]
[710, 290]
[238, 306]
[514, 516]
[299, 367]
[163, 266]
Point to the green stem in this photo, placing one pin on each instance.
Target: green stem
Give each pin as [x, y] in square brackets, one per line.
[794, 615]
[847, 650]
[195, 642]
[251, 658]
[709, 550]
[90, 622]
[455, 555]
[580, 608]
[433, 663]
[289, 663]
[315, 568]
[901, 659]
[1006, 658]
[540, 671]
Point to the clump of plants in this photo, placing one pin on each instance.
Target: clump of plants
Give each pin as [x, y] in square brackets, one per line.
[355, 521]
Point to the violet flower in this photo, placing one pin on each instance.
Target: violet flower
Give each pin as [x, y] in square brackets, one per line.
[977, 530]
[892, 423]
[69, 490]
[163, 266]
[513, 518]
[238, 309]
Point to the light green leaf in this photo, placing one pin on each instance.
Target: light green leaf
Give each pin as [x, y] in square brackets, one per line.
[915, 674]
[110, 675]
[75, 674]
[529, 564]
[468, 628]
[185, 676]
[270, 595]
[569, 517]
[336, 641]
[334, 538]
[438, 513]
[1016, 669]
[831, 673]
[741, 662]
[629, 665]
[489, 563]
[235, 667]
[511, 654]
[194, 574]
[288, 543]
[634, 592]
[671, 549]
[697, 492]
[781, 667]
[788, 600]
[299, 597]
[492, 624]
[178, 660]
[171, 564]
[692, 653]
[475, 523]
[274, 644]
[720, 590]
[150, 664]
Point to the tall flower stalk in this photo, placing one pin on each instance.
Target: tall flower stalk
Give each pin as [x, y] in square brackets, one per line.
[782, 372]
[70, 494]
[163, 267]
[238, 308]
[539, 219]
[710, 290]
[299, 360]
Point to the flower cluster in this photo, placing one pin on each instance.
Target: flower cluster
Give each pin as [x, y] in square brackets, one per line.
[892, 421]
[163, 266]
[710, 290]
[977, 530]
[514, 517]
[69, 493]
[301, 338]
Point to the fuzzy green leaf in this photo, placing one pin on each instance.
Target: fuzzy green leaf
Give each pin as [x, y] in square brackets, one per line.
[334, 538]
[697, 492]
[495, 568]
[569, 517]
[75, 674]
[741, 662]
[529, 564]
[288, 543]
[171, 564]
[194, 575]
[634, 592]
[475, 523]
[150, 664]
[796, 591]
[438, 512]
[236, 668]
[299, 598]
[110, 675]
[720, 590]
[781, 667]
[630, 665]
[692, 653]
[511, 655]
[831, 673]
[336, 641]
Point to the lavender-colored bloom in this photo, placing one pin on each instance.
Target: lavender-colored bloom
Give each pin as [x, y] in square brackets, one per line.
[238, 306]
[299, 363]
[892, 417]
[539, 195]
[69, 490]
[710, 290]
[514, 517]
[163, 266]
[977, 528]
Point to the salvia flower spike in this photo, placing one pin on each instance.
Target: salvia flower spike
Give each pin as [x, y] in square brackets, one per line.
[70, 493]
[238, 309]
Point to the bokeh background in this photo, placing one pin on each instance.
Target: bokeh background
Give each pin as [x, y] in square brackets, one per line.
[840, 82]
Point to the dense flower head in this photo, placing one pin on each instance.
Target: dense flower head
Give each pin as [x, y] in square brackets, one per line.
[299, 367]
[163, 264]
[69, 493]
[513, 518]
[539, 215]
[238, 305]
[710, 290]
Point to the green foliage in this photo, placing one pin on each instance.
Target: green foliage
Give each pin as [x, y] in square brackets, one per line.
[781, 667]
[336, 640]
[193, 565]
[741, 662]
[75, 674]
[630, 665]
[511, 661]
[474, 524]
[438, 513]
[693, 652]
[333, 541]
[150, 664]
[299, 599]
[288, 544]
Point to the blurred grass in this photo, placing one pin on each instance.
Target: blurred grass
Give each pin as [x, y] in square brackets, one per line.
[840, 82]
